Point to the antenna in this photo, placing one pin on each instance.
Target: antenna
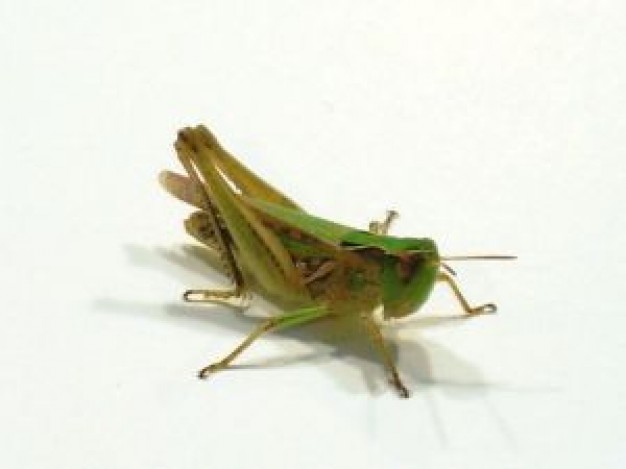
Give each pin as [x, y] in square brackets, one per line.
[478, 258]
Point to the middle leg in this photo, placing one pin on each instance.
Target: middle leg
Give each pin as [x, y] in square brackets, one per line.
[378, 340]
[294, 318]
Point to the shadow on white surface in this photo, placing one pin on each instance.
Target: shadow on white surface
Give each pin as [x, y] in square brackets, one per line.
[422, 363]
[429, 369]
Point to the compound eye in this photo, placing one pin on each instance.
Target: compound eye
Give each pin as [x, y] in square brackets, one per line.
[406, 267]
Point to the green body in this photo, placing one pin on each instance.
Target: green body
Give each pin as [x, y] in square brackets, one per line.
[312, 267]
[279, 245]
[404, 270]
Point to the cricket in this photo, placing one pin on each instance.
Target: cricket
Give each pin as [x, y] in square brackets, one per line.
[314, 268]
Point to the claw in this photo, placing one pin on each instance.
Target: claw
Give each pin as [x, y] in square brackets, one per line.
[403, 392]
[207, 370]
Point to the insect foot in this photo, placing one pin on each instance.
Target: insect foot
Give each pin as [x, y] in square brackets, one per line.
[489, 308]
[207, 370]
[403, 392]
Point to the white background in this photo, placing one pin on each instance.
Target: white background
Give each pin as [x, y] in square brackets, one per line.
[490, 126]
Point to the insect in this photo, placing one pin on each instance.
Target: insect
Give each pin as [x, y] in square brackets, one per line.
[313, 267]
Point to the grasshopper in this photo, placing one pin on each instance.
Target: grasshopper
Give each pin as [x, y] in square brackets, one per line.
[312, 267]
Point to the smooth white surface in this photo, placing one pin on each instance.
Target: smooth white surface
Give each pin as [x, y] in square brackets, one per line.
[490, 126]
